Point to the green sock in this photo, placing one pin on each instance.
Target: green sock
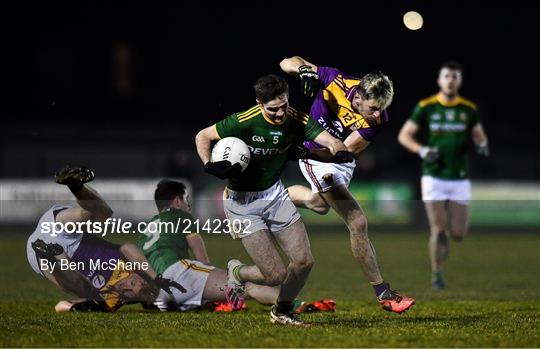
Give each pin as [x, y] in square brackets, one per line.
[236, 273]
[296, 304]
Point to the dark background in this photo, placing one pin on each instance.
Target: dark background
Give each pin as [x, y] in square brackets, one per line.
[123, 87]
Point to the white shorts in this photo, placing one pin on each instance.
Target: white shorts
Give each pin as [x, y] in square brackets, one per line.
[271, 209]
[325, 176]
[192, 275]
[69, 241]
[435, 189]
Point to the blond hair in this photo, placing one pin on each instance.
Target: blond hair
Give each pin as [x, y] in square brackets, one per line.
[378, 87]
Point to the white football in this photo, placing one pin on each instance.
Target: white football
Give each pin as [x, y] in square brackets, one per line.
[232, 149]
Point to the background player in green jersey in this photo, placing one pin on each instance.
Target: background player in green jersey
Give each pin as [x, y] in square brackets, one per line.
[269, 129]
[450, 121]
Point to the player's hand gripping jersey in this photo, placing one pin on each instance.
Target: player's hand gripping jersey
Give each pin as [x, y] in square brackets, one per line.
[332, 109]
[268, 142]
[448, 129]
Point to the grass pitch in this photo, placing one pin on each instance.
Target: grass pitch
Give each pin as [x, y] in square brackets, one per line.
[492, 300]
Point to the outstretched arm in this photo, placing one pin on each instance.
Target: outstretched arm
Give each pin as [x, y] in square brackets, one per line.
[290, 65]
[334, 152]
[80, 305]
[306, 71]
[132, 253]
[356, 143]
[328, 141]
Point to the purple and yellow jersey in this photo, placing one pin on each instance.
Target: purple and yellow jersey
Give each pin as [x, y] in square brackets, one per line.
[90, 250]
[333, 111]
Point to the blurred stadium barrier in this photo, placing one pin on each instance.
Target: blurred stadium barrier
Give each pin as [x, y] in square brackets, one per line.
[507, 204]
[24, 201]
[494, 204]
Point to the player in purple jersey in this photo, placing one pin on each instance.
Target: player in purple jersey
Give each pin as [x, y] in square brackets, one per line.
[103, 274]
[354, 111]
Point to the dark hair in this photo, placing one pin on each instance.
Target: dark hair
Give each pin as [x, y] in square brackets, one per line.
[166, 191]
[453, 65]
[269, 87]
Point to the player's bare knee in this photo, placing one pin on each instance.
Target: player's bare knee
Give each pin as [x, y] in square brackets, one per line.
[321, 209]
[437, 230]
[318, 204]
[304, 265]
[457, 236]
[358, 225]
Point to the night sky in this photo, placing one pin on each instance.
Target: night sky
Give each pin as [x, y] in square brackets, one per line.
[152, 72]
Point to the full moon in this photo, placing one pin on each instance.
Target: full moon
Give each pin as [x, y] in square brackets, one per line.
[413, 20]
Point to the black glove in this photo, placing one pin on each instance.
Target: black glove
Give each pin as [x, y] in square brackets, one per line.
[166, 284]
[298, 152]
[343, 157]
[88, 306]
[223, 169]
[429, 154]
[309, 79]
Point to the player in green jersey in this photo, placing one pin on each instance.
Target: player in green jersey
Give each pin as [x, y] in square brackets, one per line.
[166, 244]
[257, 195]
[450, 121]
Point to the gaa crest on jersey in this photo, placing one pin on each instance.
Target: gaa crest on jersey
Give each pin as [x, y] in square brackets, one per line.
[436, 116]
[463, 116]
[257, 138]
[450, 115]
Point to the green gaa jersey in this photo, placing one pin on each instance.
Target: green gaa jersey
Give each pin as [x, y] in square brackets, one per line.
[164, 240]
[448, 128]
[268, 143]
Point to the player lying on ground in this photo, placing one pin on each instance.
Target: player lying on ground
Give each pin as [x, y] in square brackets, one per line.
[168, 254]
[354, 111]
[270, 129]
[451, 121]
[99, 286]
